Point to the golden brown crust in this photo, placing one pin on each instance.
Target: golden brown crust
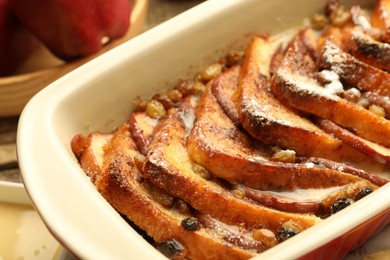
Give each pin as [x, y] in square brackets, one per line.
[303, 92]
[141, 128]
[365, 48]
[354, 72]
[121, 185]
[381, 15]
[224, 88]
[92, 157]
[228, 153]
[349, 193]
[374, 150]
[267, 119]
[168, 166]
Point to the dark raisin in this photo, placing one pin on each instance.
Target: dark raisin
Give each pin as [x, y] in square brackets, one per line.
[181, 206]
[172, 249]
[363, 192]
[283, 233]
[185, 87]
[340, 204]
[164, 100]
[190, 224]
[233, 58]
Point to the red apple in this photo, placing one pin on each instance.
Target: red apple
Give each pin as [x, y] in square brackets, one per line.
[16, 42]
[74, 28]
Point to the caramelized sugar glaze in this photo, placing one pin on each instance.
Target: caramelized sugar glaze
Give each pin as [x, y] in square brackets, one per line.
[257, 147]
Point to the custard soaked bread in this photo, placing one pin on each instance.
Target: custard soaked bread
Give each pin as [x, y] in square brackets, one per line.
[230, 154]
[213, 168]
[162, 216]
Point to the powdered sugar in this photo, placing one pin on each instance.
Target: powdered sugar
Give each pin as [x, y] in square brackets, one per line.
[333, 84]
[305, 85]
[332, 54]
[363, 23]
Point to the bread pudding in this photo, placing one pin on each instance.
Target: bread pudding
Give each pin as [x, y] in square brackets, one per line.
[204, 168]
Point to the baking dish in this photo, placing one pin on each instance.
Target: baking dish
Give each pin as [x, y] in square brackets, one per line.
[99, 95]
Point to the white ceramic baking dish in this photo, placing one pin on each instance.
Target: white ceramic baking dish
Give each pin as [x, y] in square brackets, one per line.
[99, 95]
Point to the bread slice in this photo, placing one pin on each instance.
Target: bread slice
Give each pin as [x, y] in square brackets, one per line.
[218, 145]
[224, 88]
[380, 19]
[304, 93]
[319, 206]
[267, 119]
[379, 152]
[168, 165]
[141, 128]
[122, 185]
[353, 71]
[365, 48]
[381, 15]
[90, 151]
[381, 101]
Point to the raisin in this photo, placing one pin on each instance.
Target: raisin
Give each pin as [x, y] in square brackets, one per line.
[233, 58]
[182, 207]
[284, 232]
[363, 192]
[164, 100]
[175, 95]
[377, 110]
[185, 87]
[287, 156]
[201, 171]
[190, 224]
[172, 249]
[155, 109]
[238, 193]
[266, 236]
[211, 72]
[319, 21]
[340, 204]
[198, 87]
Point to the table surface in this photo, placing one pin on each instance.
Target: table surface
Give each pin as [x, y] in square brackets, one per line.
[159, 11]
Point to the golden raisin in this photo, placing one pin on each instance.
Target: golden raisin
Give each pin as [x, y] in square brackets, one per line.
[319, 21]
[377, 110]
[155, 109]
[198, 87]
[211, 72]
[175, 95]
[284, 156]
[352, 94]
[340, 16]
[201, 171]
[238, 193]
[266, 236]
